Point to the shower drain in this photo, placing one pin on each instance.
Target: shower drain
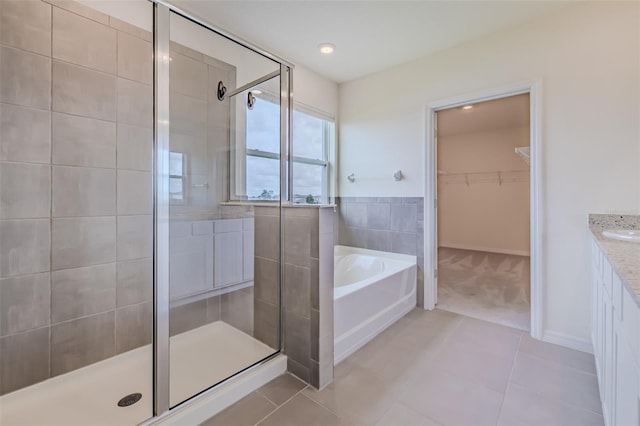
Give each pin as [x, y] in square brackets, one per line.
[130, 399]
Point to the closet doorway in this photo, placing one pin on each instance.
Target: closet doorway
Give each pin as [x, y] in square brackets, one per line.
[483, 210]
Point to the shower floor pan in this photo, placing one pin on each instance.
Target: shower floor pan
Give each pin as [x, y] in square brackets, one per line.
[89, 396]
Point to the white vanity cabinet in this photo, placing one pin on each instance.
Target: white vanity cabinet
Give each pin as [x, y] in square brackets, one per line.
[615, 335]
[207, 255]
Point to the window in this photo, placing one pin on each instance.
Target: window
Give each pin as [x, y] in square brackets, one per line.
[312, 138]
[176, 177]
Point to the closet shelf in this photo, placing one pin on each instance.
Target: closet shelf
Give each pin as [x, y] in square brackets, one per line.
[499, 177]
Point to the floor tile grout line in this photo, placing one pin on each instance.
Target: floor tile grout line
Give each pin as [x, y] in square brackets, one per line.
[325, 407]
[279, 406]
[513, 367]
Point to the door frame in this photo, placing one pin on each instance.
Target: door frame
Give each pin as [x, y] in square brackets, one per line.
[534, 89]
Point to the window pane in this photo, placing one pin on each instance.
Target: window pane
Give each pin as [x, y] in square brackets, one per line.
[263, 178]
[175, 163]
[176, 189]
[307, 183]
[307, 136]
[263, 126]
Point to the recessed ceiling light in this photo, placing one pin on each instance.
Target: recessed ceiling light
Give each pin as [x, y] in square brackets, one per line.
[467, 107]
[326, 48]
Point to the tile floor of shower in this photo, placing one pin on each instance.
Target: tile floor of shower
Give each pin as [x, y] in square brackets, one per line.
[437, 367]
[88, 396]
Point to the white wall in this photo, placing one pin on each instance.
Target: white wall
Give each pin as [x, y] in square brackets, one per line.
[587, 56]
[484, 215]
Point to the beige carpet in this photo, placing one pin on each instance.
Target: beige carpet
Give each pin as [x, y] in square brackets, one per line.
[487, 286]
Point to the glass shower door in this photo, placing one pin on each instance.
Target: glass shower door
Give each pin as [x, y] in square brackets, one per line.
[224, 251]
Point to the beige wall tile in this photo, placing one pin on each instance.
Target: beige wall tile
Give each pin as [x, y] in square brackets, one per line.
[188, 114]
[83, 191]
[80, 141]
[135, 237]
[266, 323]
[80, 9]
[25, 134]
[84, 92]
[24, 303]
[26, 25]
[135, 147]
[24, 246]
[84, 291]
[81, 342]
[24, 190]
[267, 231]
[187, 317]
[237, 309]
[134, 325]
[134, 282]
[25, 359]
[188, 76]
[83, 241]
[135, 58]
[131, 29]
[135, 194]
[26, 78]
[83, 42]
[135, 103]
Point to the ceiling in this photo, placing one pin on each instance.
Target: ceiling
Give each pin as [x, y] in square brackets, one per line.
[370, 36]
[512, 111]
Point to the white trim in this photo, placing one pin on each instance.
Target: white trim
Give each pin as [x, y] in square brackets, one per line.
[558, 338]
[487, 249]
[533, 87]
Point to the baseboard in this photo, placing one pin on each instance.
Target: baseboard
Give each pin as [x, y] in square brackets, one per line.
[571, 342]
[210, 403]
[486, 249]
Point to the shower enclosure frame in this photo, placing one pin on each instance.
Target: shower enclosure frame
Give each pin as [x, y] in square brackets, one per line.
[161, 292]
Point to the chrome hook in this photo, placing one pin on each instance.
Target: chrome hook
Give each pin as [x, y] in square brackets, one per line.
[251, 100]
[222, 91]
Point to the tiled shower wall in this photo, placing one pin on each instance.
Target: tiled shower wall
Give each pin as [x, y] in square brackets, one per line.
[393, 224]
[75, 189]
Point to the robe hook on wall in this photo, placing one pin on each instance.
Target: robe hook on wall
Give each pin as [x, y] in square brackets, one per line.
[222, 91]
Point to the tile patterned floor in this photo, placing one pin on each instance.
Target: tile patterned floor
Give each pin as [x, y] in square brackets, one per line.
[437, 368]
[489, 286]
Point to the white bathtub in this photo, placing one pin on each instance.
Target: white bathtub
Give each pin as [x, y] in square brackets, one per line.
[372, 290]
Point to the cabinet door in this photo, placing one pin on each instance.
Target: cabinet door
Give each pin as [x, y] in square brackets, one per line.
[626, 392]
[608, 363]
[228, 255]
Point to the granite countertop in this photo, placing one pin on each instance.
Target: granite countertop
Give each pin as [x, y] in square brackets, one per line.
[624, 256]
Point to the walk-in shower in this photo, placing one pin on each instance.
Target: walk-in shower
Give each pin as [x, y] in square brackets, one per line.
[134, 274]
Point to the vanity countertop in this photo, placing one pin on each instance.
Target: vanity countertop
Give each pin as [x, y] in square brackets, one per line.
[624, 256]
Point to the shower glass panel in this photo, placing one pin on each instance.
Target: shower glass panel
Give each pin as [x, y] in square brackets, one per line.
[224, 257]
[76, 284]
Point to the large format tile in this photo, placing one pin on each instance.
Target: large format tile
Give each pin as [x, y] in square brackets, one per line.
[497, 339]
[266, 323]
[187, 317]
[25, 134]
[26, 78]
[24, 360]
[302, 411]
[84, 291]
[564, 384]
[24, 303]
[81, 342]
[404, 217]
[83, 42]
[134, 326]
[523, 406]
[83, 191]
[268, 245]
[24, 190]
[24, 247]
[80, 141]
[246, 412]
[135, 58]
[135, 237]
[134, 281]
[82, 91]
[267, 280]
[401, 415]
[404, 243]
[566, 357]
[237, 309]
[83, 241]
[378, 216]
[135, 103]
[450, 400]
[281, 389]
[188, 76]
[135, 145]
[297, 291]
[188, 114]
[135, 195]
[26, 25]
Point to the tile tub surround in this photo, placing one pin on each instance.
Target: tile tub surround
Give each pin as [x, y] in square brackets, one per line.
[392, 224]
[624, 256]
[75, 213]
[438, 368]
